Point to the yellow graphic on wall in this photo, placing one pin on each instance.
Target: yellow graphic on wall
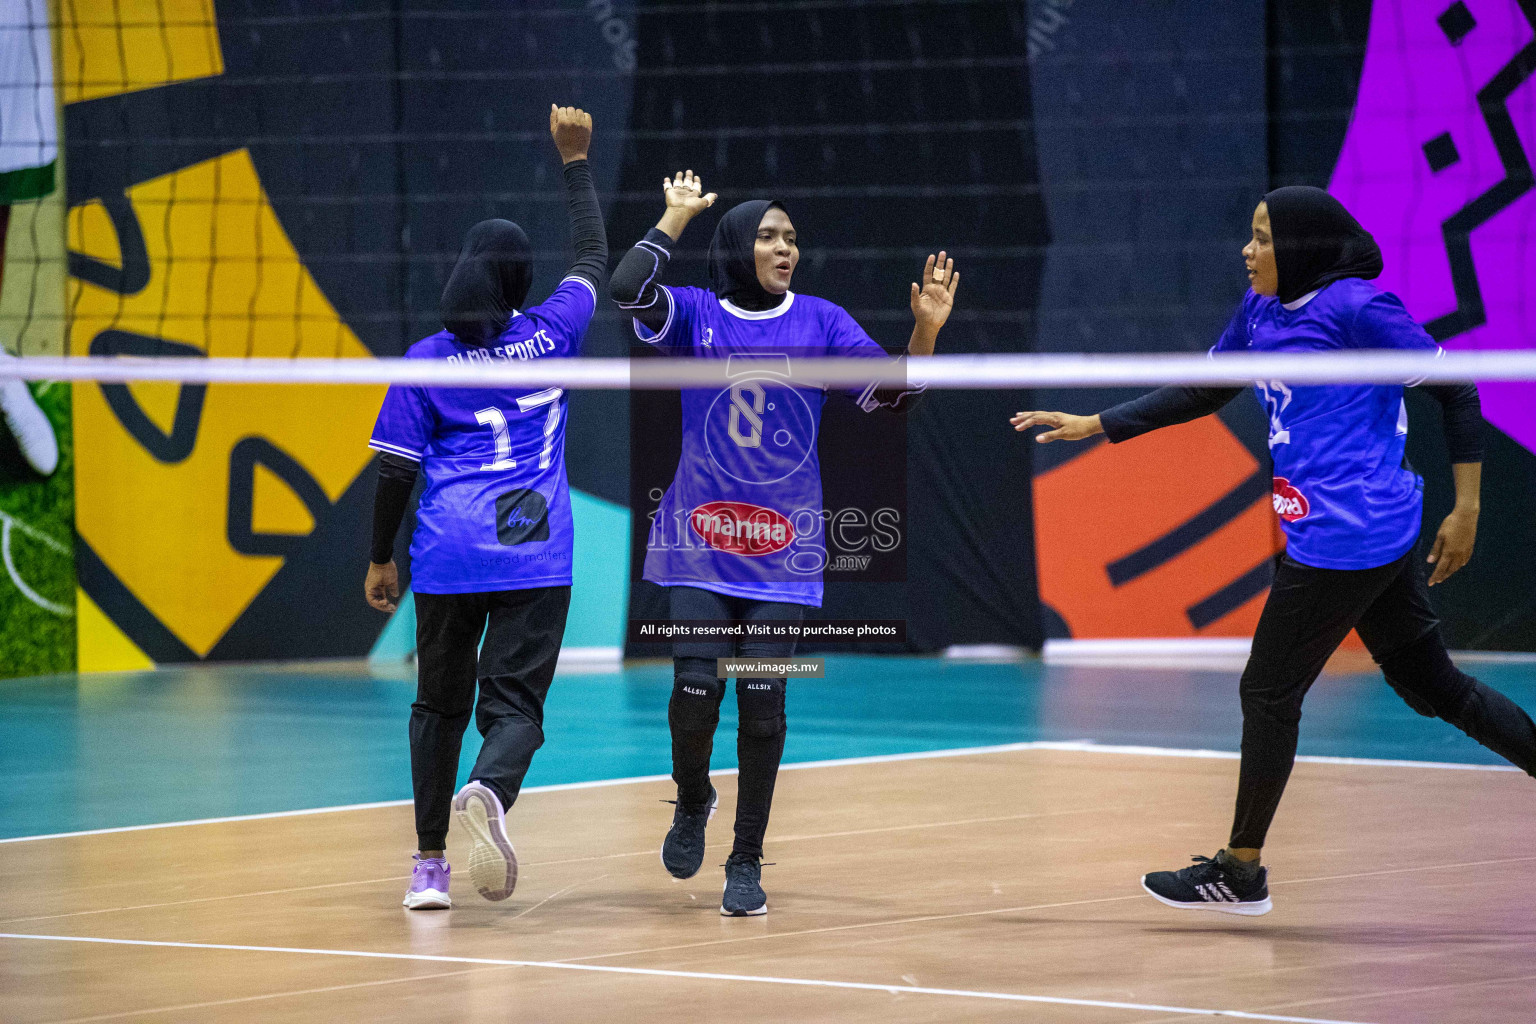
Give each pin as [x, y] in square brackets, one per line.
[192, 495]
[121, 46]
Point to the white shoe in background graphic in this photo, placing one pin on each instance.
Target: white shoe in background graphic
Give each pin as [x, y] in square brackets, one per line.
[28, 423]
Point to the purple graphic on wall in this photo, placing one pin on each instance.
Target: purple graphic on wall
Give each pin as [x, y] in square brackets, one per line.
[1437, 165]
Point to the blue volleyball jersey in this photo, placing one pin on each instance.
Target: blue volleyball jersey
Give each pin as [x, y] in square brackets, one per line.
[743, 515]
[496, 511]
[1345, 497]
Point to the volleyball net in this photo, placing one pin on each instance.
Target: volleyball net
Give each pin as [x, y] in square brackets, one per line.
[941, 372]
[253, 211]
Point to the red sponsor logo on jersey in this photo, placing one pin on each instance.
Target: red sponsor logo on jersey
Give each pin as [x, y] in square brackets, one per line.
[741, 529]
[1290, 504]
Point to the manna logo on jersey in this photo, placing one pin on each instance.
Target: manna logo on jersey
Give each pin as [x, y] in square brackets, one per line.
[741, 529]
[1290, 504]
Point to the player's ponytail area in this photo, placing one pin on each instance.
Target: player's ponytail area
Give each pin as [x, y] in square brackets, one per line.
[956, 835]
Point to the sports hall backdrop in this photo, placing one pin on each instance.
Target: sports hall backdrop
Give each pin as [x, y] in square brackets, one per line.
[243, 179]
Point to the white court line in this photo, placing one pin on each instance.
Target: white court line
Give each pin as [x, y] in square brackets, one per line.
[208, 821]
[1073, 746]
[1090, 747]
[656, 972]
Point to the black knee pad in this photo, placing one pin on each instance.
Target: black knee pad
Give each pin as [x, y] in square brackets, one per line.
[696, 694]
[760, 706]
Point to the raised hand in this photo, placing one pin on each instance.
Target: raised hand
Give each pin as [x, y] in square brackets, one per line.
[686, 199]
[571, 128]
[686, 193]
[935, 297]
[1066, 426]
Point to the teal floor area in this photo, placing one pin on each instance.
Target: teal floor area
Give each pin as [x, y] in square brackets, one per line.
[212, 741]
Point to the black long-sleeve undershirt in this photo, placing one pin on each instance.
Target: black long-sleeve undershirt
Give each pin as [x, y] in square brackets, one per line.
[1460, 410]
[588, 235]
[397, 478]
[1462, 414]
[1162, 408]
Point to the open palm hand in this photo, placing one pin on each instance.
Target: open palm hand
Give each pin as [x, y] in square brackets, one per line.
[932, 301]
[686, 192]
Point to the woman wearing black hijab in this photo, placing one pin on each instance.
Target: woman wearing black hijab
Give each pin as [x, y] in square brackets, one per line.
[491, 555]
[738, 535]
[1350, 507]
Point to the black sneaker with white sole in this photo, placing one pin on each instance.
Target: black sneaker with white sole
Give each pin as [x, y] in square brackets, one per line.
[743, 896]
[682, 852]
[1207, 885]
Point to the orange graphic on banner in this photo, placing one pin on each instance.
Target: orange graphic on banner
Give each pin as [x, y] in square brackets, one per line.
[1117, 505]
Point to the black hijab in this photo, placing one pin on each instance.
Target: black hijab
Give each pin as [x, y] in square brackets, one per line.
[488, 282]
[732, 261]
[1317, 241]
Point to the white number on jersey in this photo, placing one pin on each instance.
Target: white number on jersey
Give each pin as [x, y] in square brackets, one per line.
[498, 423]
[551, 398]
[1275, 401]
[749, 409]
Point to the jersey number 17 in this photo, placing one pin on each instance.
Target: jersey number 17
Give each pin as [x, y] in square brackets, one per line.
[493, 418]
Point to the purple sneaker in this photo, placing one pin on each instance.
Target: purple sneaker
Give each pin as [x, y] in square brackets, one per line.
[429, 885]
[492, 862]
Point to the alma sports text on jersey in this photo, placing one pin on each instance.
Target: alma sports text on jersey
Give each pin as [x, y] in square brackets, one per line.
[530, 348]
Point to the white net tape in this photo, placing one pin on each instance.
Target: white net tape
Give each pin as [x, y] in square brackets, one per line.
[954, 372]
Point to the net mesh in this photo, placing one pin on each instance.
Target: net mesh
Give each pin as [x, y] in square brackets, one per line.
[211, 210]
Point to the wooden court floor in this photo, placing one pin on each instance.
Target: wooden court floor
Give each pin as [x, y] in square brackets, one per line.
[978, 887]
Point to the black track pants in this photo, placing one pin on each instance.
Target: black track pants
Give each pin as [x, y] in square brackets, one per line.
[513, 668]
[694, 711]
[1308, 614]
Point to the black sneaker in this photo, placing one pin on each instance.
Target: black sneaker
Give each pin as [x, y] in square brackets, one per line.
[1206, 885]
[744, 896]
[682, 852]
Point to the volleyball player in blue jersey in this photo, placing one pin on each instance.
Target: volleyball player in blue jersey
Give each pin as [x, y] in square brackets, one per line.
[1350, 507]
[738, 534]
[491, 554]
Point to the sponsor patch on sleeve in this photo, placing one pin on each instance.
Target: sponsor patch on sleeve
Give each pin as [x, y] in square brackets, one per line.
[1290, 504]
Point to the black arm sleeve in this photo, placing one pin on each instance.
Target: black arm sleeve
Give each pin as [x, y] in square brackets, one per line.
[1162, 408]
[397, 477]
[587, 232]
[636, 281]
[1462, 412]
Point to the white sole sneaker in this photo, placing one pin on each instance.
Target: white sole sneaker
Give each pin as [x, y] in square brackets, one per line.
[1256, 909]
[492, 861]
[427, 899]
[759, 912]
